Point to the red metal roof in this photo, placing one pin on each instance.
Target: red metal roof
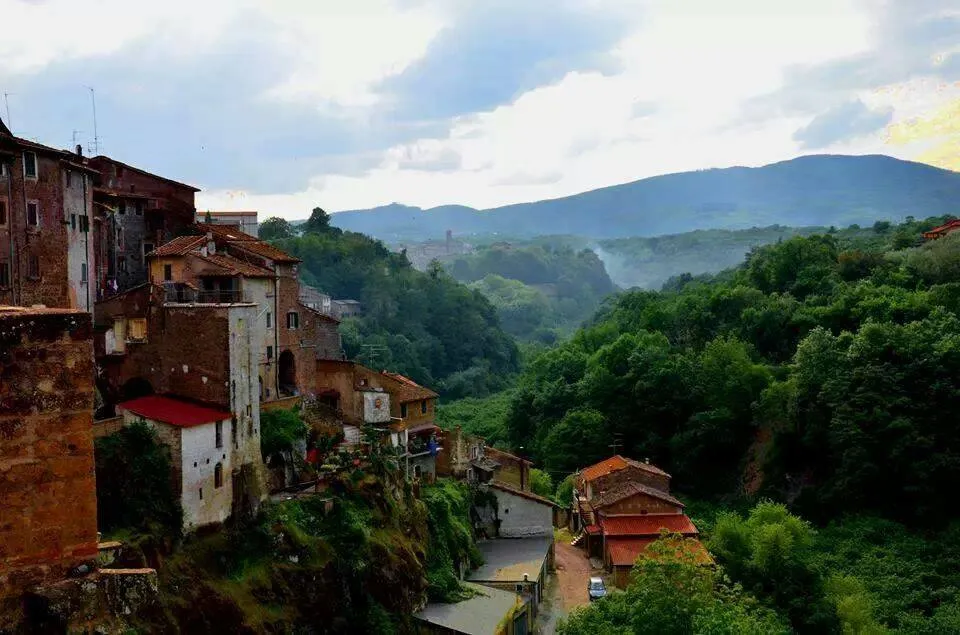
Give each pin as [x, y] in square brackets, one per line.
[648, 525]
[178, 413]
[625, 551]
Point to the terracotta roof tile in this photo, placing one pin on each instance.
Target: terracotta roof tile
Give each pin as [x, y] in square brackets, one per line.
[179, 246]
[614, 464]
[237, 266]
[648, 525]
[265, 250]
[625, 551]
[626, 490]
[226, 232]
[408, 390]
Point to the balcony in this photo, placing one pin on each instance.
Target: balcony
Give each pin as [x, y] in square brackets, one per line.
[183, 294]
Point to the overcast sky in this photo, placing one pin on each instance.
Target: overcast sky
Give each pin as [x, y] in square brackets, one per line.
[283, 105]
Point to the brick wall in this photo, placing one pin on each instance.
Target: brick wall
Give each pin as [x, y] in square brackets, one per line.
[47, 485]
[630, 474]
[57, 243]
[642, 504]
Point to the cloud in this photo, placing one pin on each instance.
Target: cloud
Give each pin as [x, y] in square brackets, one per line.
[850, 119]
[494, 50]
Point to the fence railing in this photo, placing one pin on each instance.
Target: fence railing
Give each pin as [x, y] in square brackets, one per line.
[185, 295]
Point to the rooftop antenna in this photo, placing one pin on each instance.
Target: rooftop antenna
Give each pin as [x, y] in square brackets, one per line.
[76, 133]
[6, 103]
[616, 442]
[94, 147]
[371, 351]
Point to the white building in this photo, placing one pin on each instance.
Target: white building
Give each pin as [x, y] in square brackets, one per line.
[202, 444]
[243, 221]
[522, 514]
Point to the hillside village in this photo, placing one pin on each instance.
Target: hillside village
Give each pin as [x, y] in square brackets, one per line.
[121, 305]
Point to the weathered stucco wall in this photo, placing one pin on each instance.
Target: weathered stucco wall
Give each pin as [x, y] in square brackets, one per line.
[203, 502]
[521, 517]
[48, 507]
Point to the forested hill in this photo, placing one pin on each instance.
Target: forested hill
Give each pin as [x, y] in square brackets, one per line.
[424, 325]
[812, 190]
[540, 290]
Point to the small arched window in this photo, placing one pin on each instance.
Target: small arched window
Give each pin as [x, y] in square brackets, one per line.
[218, 476]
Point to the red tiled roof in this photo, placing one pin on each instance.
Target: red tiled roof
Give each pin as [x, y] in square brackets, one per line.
[648, 525]
[592, 529]
[510, 489]
[626, 490]
[947, 227]
[179, 413]
[180, 246]
[237, 267]
[226, 232]
[265, 250]
[625, 551]
[409, 390]
[616, 463]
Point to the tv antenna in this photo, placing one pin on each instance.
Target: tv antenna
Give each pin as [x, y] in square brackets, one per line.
[617, 441]
[94, 147]
[371, 350]
[6, 103]
[76, 134]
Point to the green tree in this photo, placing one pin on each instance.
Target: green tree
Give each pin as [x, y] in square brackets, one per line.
[318, 223]
[135, 482]
[275, 228]
[280, 430]
[541, 483]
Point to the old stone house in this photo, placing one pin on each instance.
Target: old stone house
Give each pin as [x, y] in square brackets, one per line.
[202, 443]
[521, 514]
[46, 240]
[135, 212]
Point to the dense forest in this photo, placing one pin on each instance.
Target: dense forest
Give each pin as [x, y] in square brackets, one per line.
[539, 290]
[424, 325]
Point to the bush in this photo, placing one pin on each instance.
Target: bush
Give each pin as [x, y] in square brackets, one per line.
[134, 483]
[280, 430]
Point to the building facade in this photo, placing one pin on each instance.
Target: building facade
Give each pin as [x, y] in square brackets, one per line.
[46, 244]
[136, 212]
[47, 480]
[245, 222]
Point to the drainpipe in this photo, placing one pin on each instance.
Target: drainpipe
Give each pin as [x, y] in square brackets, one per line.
[276, 330]
[13, 277]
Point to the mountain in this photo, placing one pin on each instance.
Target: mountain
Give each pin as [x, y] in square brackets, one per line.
[811, 190]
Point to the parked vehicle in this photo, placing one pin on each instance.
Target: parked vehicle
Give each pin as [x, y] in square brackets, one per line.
[596, 589]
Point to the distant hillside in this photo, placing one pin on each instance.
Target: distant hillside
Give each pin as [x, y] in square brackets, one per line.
[818, 190]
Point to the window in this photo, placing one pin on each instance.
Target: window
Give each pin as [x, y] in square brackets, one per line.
[201, 493]
[147, 248]
[269, 352]
[423, 407]
[417, 470]
[33, 267]
[403, 411]
[233, 431]
[33, 214]
[30, 165]
[219, 433]
[121, 264]
[69, 178]
[137, 330]
[3, 212]
[83, 272]
[269, 319]
[138, 208]
[122, 208]
[84, 224]
[73, 222]
[218, 476]
[168, 272]
[293, 320]
[4, 170]
[4, 274]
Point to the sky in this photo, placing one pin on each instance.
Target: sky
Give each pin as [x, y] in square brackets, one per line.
[283, 105]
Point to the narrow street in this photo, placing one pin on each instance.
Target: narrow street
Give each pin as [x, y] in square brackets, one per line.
[567, 587]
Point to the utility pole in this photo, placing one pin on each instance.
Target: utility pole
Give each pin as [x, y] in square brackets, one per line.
[371, 350]
[617, 441]
[6, 103]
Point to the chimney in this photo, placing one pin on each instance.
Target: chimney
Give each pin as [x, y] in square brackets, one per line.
[79, 150]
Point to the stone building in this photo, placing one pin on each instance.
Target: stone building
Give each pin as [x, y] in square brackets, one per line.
[48, 505]
[46, 207]
[148, 342]
[202, 442]
[522, 514]
[136, 211]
